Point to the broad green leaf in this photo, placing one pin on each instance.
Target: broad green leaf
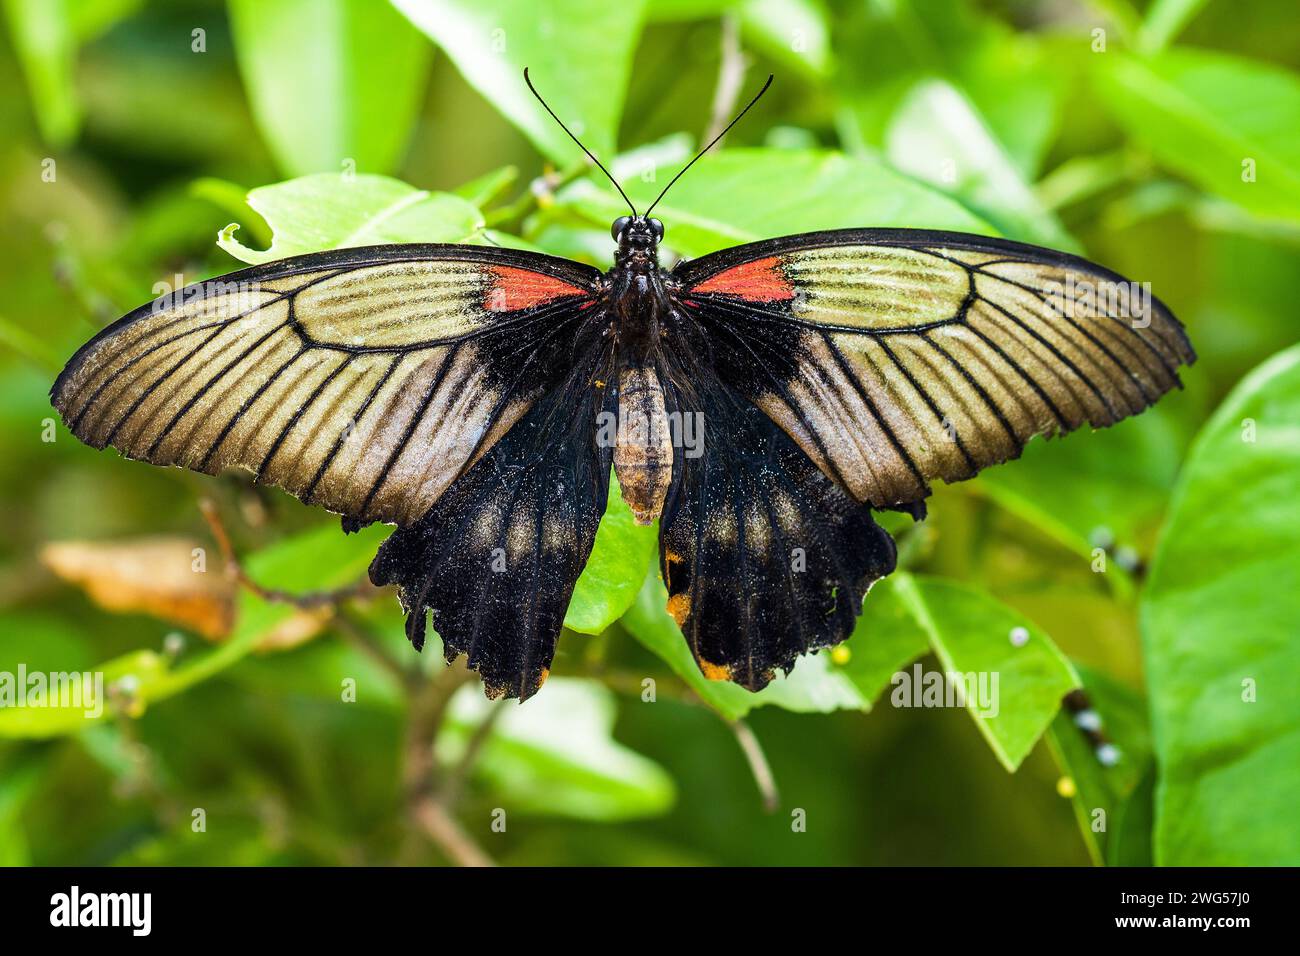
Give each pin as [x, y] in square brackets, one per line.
[556, 754]
[485, 189]
[1219, 634]
[971, 633]
[1226, 123]
[332, 211]
[1010, 84]
[319, 559]
[578, 53]
[334, 84]
[615, 570]
[47, 34]
[232, 199]
[938, 135]
[740, 195]
[793, 32]
[886, 639]
[1105, 487]
[1132, 825]
[1102, 793]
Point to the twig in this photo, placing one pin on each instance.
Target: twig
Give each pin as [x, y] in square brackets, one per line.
[731, 76]
[365, 640]
[758, 764]
[453, 783]
[441, 827]
[307, 601]
[428, 812]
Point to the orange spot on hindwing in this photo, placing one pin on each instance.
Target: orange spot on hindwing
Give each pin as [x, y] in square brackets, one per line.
[513, 289]
[713, 671]
[759, 281]
[679, 606]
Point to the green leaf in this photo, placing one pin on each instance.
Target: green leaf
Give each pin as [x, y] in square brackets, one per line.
[1009, 82]
[1132, 825]
[331, 82]
[971, 634]
[1107, 486]
[1164, 20]
[1186, 107]
[1219, 634]
[332, 211]
[793, 32]
[740, 195]
[579, 55]
[556, 754]
[886, 639]
[615, 570]
[482, 191]
[939, 136]
[1123, 713]
[319, 559]
[47, 35]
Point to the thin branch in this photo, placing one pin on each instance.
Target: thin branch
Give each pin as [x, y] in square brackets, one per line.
[306, 601]
[758, 764]
[731, 77]
[427, 710]
[453, 782]
[366, 641]
[437, 823]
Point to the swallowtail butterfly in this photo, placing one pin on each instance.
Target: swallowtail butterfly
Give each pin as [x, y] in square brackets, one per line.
[477, 398]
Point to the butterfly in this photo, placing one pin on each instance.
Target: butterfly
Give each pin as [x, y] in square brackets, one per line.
[762, 403]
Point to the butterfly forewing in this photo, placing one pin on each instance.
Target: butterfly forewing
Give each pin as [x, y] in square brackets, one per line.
[895, 357]
[365, 380]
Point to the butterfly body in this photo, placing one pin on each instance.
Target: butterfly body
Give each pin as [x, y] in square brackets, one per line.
[642, 317]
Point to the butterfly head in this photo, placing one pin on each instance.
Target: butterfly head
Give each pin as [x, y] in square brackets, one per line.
[636, 234]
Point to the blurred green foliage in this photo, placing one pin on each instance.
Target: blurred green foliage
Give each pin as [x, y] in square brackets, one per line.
[1159, 139]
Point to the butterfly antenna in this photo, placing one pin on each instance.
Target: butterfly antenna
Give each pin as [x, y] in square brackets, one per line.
[712, 142]
[590, 154]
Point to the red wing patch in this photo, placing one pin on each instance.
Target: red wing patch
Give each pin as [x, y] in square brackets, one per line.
[759, 281]
[513, 289]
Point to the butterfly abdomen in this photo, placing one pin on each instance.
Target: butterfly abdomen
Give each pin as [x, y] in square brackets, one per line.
[643, 457]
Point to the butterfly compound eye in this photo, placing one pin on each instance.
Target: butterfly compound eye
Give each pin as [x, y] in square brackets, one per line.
[620, 224]
[657, 228]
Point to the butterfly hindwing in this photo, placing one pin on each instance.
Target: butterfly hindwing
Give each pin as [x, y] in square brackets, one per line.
[496, 559]
[764, 557]
[364, 380]
[895, 357]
